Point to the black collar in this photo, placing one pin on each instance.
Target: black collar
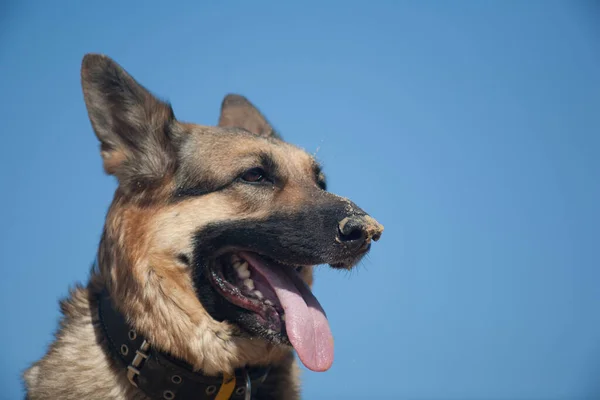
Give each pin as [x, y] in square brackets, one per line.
[161, 376]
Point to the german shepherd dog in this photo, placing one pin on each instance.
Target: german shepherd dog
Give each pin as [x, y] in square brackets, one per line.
[201, 285]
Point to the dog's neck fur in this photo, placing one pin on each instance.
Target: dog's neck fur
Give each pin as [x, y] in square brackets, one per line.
[78, 364]
[139, 274]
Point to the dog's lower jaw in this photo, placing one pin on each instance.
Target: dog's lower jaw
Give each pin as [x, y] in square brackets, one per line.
[178, 324]
[77, 364]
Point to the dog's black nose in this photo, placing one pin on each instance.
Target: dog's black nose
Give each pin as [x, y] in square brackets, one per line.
[358, 231]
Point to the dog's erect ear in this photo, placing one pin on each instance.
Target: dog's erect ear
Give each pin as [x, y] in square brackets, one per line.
[238, 112]
[132, 125]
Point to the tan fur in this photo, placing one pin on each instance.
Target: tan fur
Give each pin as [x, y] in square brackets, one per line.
[78, 367]
[146, 230]
[137, 258]
[155, 291]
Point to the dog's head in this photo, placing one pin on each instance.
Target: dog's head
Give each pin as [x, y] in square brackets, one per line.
[211, 238]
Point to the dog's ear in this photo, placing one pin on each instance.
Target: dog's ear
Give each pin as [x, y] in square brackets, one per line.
[132, 125]
[238, 112]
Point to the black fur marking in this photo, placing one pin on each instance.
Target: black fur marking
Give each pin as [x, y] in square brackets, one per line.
[184, 259]
[304, 237]
[194, 191]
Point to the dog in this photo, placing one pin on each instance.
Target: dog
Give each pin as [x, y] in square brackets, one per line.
[201, 284]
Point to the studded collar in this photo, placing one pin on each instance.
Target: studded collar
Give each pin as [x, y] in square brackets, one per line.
[160, 375]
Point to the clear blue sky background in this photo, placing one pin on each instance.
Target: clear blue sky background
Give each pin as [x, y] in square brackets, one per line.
[470, 129]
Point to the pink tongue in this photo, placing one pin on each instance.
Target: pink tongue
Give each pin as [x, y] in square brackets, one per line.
[305, 320]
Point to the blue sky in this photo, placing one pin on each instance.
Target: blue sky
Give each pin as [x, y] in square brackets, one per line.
[471, 130]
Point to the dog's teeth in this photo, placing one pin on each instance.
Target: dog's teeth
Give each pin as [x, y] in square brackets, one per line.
[242, 270]
[258, 294]
[243, 273]
[268, 302]
[249, 283]
[283, 317]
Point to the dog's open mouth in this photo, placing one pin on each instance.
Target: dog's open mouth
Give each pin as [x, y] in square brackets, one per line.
[277, 294]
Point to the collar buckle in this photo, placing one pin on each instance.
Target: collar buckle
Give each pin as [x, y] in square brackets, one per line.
[133, 369]
[150, 366]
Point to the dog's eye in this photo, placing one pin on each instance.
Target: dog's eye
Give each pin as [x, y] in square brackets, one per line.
[254, 175]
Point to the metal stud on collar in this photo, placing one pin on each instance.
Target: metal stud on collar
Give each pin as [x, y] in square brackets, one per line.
[210, 390]
[240, 390]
